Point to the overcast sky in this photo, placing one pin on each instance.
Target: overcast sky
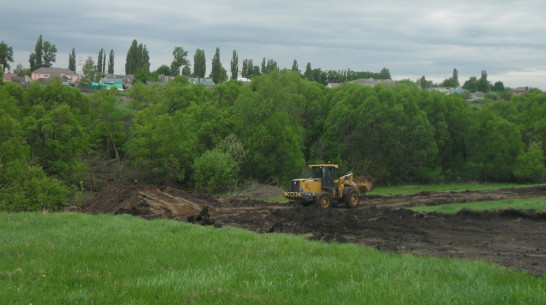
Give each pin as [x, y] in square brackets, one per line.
[410, 38]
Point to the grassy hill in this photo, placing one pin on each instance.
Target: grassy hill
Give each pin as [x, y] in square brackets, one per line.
[72, 258]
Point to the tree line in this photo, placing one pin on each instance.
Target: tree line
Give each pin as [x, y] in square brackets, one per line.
[56, 142]
[137, 62]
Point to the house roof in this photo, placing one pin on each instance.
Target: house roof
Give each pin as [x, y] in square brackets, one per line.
[54, 71]
[521, 89]
[205, 82]
[9, 76]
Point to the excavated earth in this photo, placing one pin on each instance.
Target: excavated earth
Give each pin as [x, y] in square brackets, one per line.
[511, 238]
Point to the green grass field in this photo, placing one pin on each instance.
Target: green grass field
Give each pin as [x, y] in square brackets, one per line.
[72, 258]
[538, 204]
[455, 187]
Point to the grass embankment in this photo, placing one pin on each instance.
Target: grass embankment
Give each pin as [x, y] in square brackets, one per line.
[72, 258]
[455, 187]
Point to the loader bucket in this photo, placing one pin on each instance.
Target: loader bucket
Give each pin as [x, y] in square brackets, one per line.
[363, 184]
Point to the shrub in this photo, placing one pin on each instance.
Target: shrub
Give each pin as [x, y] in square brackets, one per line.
[214, 171]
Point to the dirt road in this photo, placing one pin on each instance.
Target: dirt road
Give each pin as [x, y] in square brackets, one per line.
[511, 238]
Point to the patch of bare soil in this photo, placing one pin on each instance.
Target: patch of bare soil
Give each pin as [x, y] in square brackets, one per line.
[510, 238]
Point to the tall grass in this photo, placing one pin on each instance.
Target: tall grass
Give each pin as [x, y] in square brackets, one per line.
[72, 258]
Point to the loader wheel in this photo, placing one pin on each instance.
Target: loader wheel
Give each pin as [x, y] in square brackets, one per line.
[352, 199]
[324, 201]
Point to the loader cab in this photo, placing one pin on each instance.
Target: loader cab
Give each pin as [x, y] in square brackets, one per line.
[326, 173]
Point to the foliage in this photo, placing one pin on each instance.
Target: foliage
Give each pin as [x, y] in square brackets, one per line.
[44, 54]
[72, 60]
[234, 65]
[89, 71]
[111, 62]
[179, 60]
[163, 145]
[214, 171]
[6, 56]
[199, 64]
[23, 187]
[529, 165]
[163, 70]
[137, 58]
[216, 67]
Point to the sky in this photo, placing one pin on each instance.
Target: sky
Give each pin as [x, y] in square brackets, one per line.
[410, 38]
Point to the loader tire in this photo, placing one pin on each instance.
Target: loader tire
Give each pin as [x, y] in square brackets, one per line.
[352, 199]
[323, 201]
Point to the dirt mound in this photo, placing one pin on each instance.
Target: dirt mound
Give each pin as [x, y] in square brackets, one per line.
[511, 238]
[144, 201]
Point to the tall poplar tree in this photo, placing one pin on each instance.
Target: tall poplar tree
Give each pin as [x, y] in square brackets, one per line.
[234, 65]
[72, 60]
[111, 62]
[99, 61]
[199, 63]
[216, 67]
[137, 58]
[295, 67]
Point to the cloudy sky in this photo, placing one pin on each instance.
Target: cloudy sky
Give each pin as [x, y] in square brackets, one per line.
[410, 38]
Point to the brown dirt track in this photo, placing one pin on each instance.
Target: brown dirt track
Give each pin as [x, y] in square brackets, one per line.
[511, 238]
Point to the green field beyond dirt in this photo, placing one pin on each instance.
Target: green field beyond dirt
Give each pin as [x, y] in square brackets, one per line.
[451, 187]
[72, 258]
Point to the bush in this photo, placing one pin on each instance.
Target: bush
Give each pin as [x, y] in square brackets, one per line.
[214, 171]
[529, 166]
[27, 188]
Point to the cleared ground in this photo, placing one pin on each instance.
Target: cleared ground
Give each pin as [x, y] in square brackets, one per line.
[511, 238]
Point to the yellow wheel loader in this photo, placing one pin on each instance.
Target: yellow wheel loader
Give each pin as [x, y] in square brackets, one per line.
[324, 190]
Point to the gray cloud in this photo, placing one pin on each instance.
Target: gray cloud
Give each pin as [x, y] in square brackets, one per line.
[410, 38]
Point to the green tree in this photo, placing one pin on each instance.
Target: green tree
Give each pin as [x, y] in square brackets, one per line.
[162, 145]
[6, 56]
[49, 54]
[424, 83]
[179, 60]
[502, 140]
[471, 84]
[498, 86]
[186, 71]
[214, 171]
[58, 140]
[111, 62]
[199, 63]
[308, 72]
[109, 130]
[89, 71]
[44, 54]
[295, 67]
[164, 70]
[483, 84]
[20, 71]
[216, 67]
[529, 165]
[72, 60]
[36, 57]
[137, 58]
[100, 57]
[234, 65]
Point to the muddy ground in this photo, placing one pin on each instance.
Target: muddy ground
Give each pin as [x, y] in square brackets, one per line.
[511, 238]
